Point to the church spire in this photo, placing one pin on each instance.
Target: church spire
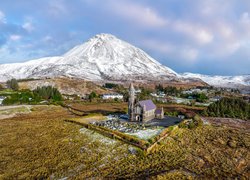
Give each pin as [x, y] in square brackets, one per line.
[131, 102]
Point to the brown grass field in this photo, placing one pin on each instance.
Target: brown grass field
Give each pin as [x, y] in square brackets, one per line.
[121, 107]
[41, 145]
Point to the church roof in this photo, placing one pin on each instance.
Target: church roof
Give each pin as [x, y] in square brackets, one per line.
[148, 103]
[158, 111]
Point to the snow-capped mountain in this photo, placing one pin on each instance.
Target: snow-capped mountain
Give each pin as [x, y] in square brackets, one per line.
[103, 57]
[221, 81]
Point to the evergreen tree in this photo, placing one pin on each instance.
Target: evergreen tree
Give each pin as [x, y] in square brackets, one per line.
[229, 107]
[92, 96]
[13, 84]
[48, 93]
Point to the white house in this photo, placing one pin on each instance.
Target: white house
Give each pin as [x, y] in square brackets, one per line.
[196, 90]
[1, 99]
[112, 96]
[137, 91]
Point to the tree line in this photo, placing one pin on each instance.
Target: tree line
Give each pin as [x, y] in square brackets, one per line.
[47, 93]
[230, 108]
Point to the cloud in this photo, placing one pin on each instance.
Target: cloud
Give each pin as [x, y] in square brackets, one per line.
[245, 18]
[2, 17]
[15, 37]
[196, 32]
[57, 8]
[189, 54]
[28, 26]
[47, 38]
[137, 13]
[224, 30]
[199, 33]
[185, 53]
[157, 45]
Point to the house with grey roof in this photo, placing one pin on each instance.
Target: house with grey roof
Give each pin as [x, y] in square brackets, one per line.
[141, 111]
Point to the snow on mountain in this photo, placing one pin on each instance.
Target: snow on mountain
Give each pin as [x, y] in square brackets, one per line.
[103, 57]
[221, 81]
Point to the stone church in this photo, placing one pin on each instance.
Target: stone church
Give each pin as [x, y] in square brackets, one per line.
[142, 111]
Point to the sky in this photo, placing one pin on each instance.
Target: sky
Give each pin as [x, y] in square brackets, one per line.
[208, 37]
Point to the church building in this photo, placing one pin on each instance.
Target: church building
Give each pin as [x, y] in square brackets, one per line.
[142, 111]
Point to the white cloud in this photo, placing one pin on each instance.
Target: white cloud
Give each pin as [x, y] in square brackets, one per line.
[200, 34]
[225, 30]
[137, 13]
[158, 46]
[2, 17]
[57, 8]
[189, 54]
[15, 37]
[245, 18]
[28, 26]
[47, 38]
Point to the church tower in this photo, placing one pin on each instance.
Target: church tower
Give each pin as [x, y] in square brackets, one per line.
[131, 102]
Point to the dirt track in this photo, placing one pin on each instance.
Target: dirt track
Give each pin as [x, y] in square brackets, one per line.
[11, 111]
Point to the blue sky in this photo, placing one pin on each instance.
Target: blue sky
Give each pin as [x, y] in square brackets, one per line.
[209, 37]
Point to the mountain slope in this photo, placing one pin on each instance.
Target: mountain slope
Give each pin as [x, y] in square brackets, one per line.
[221, 81]
[103, 57]
[107, 58]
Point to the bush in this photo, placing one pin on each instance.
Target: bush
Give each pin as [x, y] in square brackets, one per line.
[21, 97]
[1, 87]
[175, 113]
[110, 85]
[197, 120]
[48, 93]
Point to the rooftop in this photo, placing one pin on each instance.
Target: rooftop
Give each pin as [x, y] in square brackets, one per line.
[148, 103]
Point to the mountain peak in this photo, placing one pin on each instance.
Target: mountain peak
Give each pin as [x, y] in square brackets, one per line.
[104, 36]
[103, 57]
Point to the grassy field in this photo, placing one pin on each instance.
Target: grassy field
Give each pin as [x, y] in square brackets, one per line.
[121, 107]
[41, 145]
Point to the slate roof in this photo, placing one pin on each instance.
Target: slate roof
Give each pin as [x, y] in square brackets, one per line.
[158, 111]
[148, 103]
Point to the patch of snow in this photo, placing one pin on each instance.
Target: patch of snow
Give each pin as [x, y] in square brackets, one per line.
[221, 81]
[146, 134]
[98, 137]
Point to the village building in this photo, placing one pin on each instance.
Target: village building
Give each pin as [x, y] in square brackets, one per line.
[141, 111]
[112, 96]
[159, 113]
[1, 99]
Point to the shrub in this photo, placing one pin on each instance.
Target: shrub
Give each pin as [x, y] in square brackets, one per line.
[197, 120]
[48, 93]
[1, 87]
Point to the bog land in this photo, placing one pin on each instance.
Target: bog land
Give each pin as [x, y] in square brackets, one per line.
[40, 144]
